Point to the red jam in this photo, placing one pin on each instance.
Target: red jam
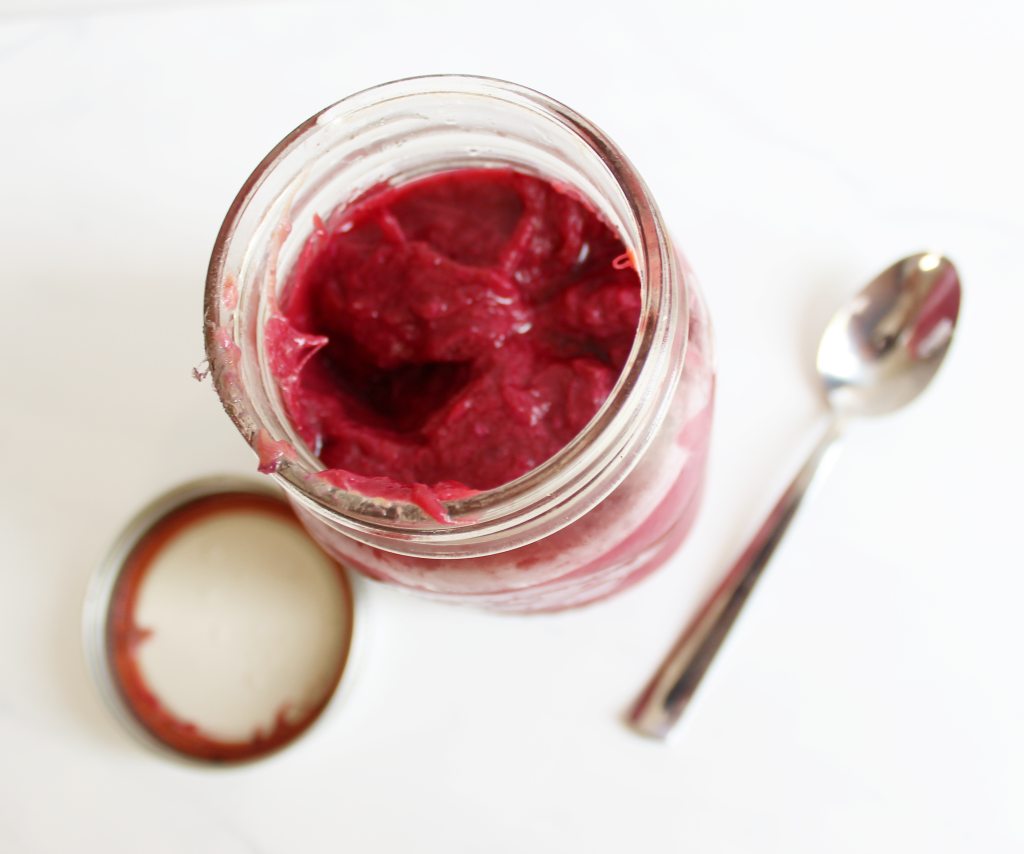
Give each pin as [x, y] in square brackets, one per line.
[453, 332]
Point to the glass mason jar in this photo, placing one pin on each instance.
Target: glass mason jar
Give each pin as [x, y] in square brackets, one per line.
[603, 512]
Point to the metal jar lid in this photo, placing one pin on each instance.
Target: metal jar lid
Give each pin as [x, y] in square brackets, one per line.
[210, 600]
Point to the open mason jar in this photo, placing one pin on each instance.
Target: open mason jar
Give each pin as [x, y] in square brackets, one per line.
[600, 514]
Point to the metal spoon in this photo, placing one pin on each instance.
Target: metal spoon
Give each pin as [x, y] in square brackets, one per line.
[877, 354]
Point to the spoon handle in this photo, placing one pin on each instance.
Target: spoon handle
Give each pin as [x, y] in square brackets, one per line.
[666, 696]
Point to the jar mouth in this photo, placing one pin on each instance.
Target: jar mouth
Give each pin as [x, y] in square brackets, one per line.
[388, 131]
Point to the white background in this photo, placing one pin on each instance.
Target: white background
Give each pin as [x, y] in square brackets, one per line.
[871, 697]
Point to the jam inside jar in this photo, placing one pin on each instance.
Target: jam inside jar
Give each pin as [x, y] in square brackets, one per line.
[591, 506]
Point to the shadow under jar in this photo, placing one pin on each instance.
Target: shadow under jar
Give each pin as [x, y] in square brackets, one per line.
[600, 514]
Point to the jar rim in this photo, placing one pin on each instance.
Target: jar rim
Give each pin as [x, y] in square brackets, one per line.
[578, 476]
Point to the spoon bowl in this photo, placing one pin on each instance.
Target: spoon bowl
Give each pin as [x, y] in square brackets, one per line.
[882, 348]
[877, 354]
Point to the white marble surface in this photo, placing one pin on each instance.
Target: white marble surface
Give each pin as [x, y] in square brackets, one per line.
[871, 698]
